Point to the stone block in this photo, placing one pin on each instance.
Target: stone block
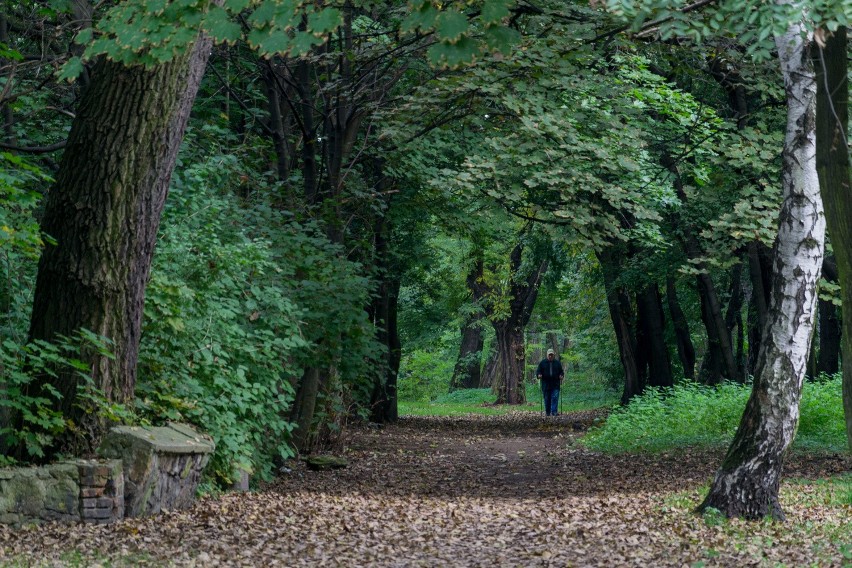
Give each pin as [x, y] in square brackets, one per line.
[160, 469]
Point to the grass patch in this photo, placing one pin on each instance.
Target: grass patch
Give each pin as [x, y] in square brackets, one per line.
[694, 415]
[581, 391]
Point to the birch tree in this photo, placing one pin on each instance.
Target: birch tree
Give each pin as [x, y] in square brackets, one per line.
[747, 483]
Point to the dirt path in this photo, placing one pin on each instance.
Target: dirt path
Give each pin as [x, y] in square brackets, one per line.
[475, 491]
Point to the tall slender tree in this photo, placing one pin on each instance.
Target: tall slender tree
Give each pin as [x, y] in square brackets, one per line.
[747, 483]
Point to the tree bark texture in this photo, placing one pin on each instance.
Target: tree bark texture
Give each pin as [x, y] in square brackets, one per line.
[760, 273]
[652, 327]
[747, 483]
[685, 349]
[508, 383]
[508, 380]
[623, 321]
[834, 170]
[304, 406]
[104, 212]
[384, 398]
[466, 374]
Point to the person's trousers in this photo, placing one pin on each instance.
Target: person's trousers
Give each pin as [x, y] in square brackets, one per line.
[550, 394]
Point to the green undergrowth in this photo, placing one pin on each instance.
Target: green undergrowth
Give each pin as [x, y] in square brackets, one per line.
[694, 415]
[581, 391]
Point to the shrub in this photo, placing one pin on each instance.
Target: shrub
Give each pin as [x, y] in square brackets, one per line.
[690, 414]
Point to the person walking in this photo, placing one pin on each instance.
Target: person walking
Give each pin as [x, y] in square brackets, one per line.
[550, 373]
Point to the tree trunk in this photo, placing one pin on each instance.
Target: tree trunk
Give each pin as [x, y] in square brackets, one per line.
[104, 212]
[685, 349]
[747, 483]
[834, 170]
[652, 324]
[734, 320]
[304, 405]
[711, 371]
[721, 354]
[466, 374]
[828, 359]
[384, 399]
[508, 382]
[760, 271]
[622, 320]
[718, 335]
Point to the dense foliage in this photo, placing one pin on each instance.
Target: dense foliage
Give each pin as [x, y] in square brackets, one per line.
[694, 415]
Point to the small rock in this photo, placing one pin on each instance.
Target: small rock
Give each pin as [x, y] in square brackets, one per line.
[322, 463]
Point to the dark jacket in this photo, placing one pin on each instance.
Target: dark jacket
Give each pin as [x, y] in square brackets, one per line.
[551, 372]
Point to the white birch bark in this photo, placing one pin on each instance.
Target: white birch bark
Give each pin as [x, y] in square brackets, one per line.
[747, 483]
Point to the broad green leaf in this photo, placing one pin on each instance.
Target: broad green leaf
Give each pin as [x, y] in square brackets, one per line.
[493, 11]
[501, 38]
[325, 21]
[218, 23]
[454, 54]
[70, 70]
[450, 26]
[422, 17]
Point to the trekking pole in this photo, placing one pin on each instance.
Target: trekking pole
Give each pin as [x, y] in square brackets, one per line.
[541, 391]
[559, 412]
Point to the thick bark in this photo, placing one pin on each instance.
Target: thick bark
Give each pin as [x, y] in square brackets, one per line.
[828, 358]
[685, 349]
[652, 326]
[279, 125]
[507, 381]
[104, 212]
[466, 374]
[621, 313]
[760, 273]
[304, 406]
[747, 483]
[384, 399]
[711, 371]
[834, 170]
[734, 319]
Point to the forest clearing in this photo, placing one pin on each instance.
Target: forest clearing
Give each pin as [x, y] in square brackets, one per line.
[473, 490]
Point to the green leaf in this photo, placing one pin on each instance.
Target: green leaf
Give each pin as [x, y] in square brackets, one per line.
[84, 37]
[454, 54]
[422, 17]
[70, 70]
[325, 21]
[236, 6]
[450, 26]
[493, 11]
[303, 42]
[219, 25]
[501, 38]
[270, 43]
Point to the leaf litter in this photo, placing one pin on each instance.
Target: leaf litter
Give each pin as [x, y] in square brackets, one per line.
[490, 491]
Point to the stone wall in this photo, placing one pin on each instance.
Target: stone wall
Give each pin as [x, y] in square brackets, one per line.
[78, 490]
[145, 470]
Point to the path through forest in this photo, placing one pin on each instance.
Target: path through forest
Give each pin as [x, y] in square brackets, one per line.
[513, 490]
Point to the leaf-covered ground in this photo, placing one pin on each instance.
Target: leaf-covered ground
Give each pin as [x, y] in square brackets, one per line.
[513, 490]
